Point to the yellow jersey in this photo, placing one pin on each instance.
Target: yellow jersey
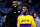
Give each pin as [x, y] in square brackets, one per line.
[25, 21]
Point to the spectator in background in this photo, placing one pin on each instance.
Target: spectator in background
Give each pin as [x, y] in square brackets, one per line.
[2, 14]
[4, 21]
[20, 6]
[12, 15]
[37, 20]
[31, 12]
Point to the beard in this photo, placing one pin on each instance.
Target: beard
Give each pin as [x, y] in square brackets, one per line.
[25, 12]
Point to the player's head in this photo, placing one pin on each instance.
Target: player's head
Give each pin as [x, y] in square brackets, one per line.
[15, 3]
[25, 8]
[35, 15]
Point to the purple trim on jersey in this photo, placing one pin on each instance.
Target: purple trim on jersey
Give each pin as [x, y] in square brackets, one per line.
[26, 14]
[25, 25]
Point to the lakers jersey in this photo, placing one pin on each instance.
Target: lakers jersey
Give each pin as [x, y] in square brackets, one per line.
[25, 21]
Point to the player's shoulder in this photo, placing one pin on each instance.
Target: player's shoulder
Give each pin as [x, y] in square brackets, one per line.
[30, 15]
[18, 16]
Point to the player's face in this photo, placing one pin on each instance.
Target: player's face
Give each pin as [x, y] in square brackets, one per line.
[25, 9]
[35, 15]
[15, 4]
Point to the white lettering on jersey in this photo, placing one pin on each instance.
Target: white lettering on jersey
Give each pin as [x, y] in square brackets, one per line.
[14, 12]
[18, 11]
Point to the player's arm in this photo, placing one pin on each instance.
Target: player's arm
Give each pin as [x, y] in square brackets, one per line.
[33, 22]
[18, 22]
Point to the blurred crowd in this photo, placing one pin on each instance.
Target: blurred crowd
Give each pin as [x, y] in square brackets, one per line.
[8, 5]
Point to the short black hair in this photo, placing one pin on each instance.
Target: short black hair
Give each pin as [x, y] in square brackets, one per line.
[26, 6]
